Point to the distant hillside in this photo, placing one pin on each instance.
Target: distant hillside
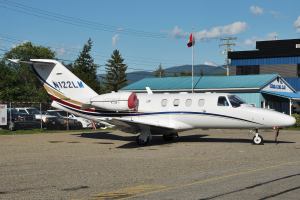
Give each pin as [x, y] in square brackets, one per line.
[206, 70]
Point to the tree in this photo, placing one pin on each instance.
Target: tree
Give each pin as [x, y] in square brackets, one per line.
[85, 68]
[18, 83]
[185, 73]
[160, 72]
[115, 72]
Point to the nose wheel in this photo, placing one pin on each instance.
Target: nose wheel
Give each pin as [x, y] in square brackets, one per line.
[257, 139]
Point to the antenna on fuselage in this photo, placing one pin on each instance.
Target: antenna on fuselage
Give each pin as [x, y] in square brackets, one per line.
[149, 91]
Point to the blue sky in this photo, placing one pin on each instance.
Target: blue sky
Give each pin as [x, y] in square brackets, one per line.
[147, 32]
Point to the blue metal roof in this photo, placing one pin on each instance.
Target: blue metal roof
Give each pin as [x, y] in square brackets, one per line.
[289, 95]
[203, 82]
[294, 82]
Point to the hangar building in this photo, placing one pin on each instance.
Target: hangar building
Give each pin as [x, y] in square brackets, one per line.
[274, 56]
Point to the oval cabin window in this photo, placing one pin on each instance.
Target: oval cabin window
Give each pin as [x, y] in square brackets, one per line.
[201, 102]
[176, 102]
[164, 102]
[188, 102]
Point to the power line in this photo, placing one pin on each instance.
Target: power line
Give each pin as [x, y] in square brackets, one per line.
[73, 51]
[52, 16]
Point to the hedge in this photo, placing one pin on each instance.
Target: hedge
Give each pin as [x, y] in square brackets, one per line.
[297, 116]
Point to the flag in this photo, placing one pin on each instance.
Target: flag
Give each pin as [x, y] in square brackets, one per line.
[191, 41]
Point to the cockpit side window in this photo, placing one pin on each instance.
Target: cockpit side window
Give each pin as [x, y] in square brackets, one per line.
[222, 101]
[235, 101]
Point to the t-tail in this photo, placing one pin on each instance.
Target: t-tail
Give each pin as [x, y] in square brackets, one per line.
[60, 83]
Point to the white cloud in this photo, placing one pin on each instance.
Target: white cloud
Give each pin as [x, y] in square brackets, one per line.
[252, 41]
[272, 36]
[177, 32]
[211, 63]
[297, 24]
[214, 32]
[219, 31]
[256, 10]
[115, 39]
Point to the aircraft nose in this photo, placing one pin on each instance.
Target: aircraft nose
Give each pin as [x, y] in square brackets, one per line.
[287, 121]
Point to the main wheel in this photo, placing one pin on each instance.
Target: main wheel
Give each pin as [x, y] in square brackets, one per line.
[142, 142]
[258, 140]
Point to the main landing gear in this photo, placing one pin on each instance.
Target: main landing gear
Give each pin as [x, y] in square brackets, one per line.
[257, 139]
[170, 137]
[144, 137]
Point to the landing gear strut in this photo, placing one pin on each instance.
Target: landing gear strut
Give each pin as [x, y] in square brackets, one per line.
[170, 137]
[144, 137]
[257, 139]
[276, 135]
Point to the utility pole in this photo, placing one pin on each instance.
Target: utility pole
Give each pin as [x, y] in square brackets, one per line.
[227, 43]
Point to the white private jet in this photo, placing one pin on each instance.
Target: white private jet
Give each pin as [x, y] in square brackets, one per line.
[148, 113]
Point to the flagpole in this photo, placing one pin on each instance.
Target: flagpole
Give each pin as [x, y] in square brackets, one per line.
[193, 67]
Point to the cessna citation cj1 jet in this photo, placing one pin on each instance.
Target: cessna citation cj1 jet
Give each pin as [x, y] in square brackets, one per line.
[148, 113]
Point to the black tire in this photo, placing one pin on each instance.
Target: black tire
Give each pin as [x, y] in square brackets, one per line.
[141, 142]
[258, 140]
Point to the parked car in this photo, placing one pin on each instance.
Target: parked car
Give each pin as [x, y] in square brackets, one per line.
[86, 123]
[63, 121]
[20, 120]
[36, 112]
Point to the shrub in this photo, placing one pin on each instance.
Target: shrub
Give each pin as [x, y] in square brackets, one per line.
[297, 116]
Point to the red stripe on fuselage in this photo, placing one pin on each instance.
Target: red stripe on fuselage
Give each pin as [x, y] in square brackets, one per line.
[66, 103]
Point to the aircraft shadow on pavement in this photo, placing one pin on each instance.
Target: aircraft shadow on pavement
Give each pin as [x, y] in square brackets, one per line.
[157, 140]
[106, 136]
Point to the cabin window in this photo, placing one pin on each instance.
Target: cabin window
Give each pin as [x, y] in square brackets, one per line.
[176, 102]
[222, 101]
[188, 102]
[235, 101]
[201, 102]
[164, 102]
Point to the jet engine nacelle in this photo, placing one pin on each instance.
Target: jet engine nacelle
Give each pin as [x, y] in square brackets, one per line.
[116, 101]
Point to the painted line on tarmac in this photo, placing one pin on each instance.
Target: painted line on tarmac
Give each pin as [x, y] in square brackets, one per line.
[128, 192]
[167, 188]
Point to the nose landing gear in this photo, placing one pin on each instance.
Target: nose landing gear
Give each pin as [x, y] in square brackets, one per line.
[257, 139]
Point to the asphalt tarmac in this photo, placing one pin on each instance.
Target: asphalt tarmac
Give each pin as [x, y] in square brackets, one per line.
[201, 164]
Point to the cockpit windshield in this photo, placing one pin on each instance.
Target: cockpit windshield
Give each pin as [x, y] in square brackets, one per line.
[235, 101]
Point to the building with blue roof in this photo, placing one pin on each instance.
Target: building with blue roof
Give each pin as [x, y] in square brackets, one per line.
[262, 90]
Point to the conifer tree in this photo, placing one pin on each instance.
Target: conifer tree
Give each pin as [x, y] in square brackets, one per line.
[115, 72]
[85, 68]
[160, 72]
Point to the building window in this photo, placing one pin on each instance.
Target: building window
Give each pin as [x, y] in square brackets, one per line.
[188, 102]
[246, 70]
[176, 102]
[222, 101]
[298, 70]
[201, 102]
[164, 102]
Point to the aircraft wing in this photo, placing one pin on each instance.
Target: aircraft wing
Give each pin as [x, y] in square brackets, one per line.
[129, 125]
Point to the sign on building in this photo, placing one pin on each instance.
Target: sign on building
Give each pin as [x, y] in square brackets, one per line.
[3, 115]
[278, 85]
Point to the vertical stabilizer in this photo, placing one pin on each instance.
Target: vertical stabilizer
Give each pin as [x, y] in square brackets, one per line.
[60, 82]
